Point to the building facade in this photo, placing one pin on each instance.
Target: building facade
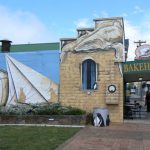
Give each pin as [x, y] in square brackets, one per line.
[88, 73]
[90, 69]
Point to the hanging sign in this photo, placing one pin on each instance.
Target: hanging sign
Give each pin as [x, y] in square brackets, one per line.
[143, 52]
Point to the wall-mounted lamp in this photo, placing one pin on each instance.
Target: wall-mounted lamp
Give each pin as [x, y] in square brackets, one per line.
[140, 79]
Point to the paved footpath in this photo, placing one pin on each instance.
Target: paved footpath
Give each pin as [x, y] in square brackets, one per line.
[125, 136]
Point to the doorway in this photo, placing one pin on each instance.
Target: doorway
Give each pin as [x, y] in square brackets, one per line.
[136, 106]
[136, 75]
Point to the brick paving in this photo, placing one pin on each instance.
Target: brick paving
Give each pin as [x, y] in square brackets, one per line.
[125, 136]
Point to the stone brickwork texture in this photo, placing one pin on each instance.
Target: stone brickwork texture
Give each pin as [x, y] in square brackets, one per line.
[71, 93]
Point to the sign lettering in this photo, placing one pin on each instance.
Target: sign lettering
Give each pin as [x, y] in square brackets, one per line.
[136, 67]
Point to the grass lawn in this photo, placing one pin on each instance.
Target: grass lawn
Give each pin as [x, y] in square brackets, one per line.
[33, 138]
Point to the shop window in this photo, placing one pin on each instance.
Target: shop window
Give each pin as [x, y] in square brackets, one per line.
[89, 75]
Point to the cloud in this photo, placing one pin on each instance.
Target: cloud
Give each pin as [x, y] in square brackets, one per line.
[22, 27]
[141, 31]
[133, 34]
[138, 9]
[83, 23]
[104, 14]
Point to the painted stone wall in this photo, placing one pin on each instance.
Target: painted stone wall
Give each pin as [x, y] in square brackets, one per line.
[105, 45]
[71, 92]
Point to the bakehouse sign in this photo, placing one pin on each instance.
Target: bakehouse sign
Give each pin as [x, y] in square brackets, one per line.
[136, 66]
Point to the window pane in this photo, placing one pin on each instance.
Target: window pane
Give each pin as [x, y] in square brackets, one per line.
[88, 74]
[84, 75]
[93, 74]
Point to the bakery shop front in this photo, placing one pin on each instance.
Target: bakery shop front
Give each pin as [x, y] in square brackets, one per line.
[137, 86]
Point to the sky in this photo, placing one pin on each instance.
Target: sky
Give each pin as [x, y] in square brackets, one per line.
[42, 21]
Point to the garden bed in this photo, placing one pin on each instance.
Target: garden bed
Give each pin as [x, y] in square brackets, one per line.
[44, 119]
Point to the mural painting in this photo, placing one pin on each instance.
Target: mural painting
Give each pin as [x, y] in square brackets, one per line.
[90, 68]
[108, 34]
[3, 87]
[21, 84]
[90, 74]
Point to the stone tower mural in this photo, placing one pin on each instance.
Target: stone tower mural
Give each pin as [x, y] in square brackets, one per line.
[90, 74]
[107, 34]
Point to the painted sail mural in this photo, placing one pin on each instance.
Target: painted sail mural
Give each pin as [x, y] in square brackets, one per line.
[20, 83]
[27, 85]
[3, 87]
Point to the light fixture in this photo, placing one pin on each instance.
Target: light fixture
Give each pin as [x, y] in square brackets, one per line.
[140, 79]
[148, 82]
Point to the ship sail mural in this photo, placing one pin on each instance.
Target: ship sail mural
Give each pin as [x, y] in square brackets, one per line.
[3, 87]
[27, 85]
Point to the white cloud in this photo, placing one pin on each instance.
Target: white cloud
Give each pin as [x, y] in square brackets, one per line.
[22, 27]
[83, 23]
[104, 14]
[135, 33]
[95, 15]
[138, 9]
[146, 22]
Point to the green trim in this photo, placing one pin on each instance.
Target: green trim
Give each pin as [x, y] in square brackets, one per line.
[138, 66]
[33, 47]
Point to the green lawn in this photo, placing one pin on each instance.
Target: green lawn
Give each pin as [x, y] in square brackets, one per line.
[33, 138]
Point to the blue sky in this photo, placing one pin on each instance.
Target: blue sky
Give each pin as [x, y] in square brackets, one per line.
[47, 62]
[26, 21]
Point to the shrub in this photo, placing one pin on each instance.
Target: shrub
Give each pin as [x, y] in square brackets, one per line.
[40, 109]
[74, 111]
[89, 119]
[19, 109]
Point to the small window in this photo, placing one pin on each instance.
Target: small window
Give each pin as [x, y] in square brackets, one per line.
[89, 75]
